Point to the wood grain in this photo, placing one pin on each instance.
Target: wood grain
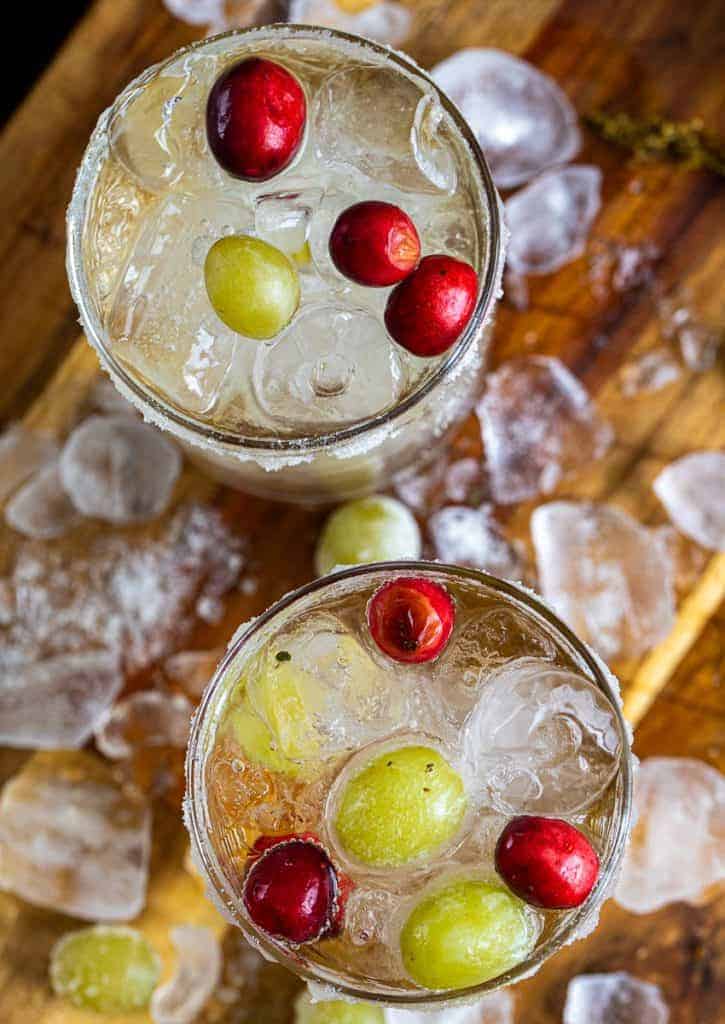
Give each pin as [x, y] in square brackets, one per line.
[659, 57]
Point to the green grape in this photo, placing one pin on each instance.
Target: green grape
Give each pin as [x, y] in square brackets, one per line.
[374, 529]
[273, 722]
[105, 968]
[336, 1011]
[465, 934]
[404, 804]
[253, 287]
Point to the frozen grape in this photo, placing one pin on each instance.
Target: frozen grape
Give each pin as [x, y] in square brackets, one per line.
[336, 1011]
[465, 934]
[253, 287]
[273, 723]
[106, 969]
[404, 804]
[374, 529]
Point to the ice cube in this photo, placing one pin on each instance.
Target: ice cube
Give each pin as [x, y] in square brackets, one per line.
[494, 1008]
[604, 574]
[449, 228]
[538, 424]
[519, 115]
[113, 221]
[378, 123]
[615, 998]
[199, 964]
[463, 477]
[541, 740]
[650, 372]
[158, 130]
[283, 218]
[148, 718]
[198, 12]
[192, 670]
[162, 323]
[549, 219]
[119, 469]
[491, 639]
[699, 341]
[700, 346]
[472, 537]
[386, 22]
[692, 489]
[41, 508]
[334, 365]
[22, 453]
[73, 840]
[677, 849]
[616, 266]
[56, 703]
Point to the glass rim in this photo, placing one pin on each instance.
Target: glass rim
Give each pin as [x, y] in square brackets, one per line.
[188, 426]
[198, 825]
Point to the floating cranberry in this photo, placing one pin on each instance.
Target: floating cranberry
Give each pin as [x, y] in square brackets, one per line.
[547, 862]
[292, 890]
[255, 119]
[411, 619]
[374, 244]
[428, 311]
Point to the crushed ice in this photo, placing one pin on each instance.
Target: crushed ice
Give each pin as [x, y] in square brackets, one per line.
[132, 597]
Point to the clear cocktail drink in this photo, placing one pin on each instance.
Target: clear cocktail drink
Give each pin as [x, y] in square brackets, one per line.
[409, 781]
[324, 404]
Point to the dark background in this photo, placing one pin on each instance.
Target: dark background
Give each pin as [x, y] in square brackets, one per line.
[44, 26]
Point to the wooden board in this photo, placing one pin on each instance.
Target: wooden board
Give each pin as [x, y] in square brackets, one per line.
[664, 57]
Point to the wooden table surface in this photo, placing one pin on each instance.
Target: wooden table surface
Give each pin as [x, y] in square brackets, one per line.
[653, 56]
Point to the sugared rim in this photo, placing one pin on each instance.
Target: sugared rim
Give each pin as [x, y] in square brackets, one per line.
[196, 430]
[199, 825]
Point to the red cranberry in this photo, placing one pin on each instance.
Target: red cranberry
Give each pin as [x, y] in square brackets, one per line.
[375, 244]
[292, 890]
[547, 862]
[428, 311]
[411, 619]
[255, 119]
